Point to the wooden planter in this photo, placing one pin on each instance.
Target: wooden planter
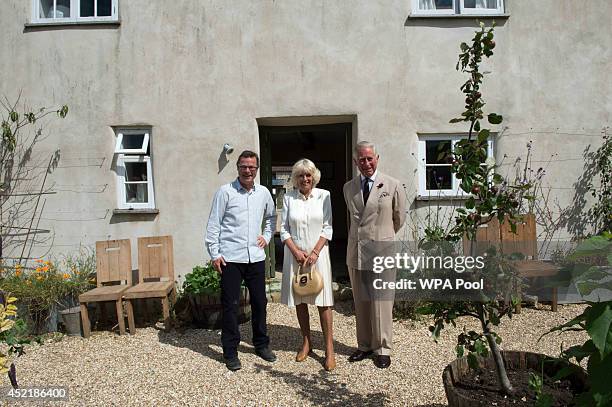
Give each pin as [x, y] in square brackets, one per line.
[458, 369]
[207, 311]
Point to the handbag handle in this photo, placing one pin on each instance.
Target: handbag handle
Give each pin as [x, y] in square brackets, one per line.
[299, 273]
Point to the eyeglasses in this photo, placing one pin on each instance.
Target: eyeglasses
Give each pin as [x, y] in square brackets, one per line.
[247, 167]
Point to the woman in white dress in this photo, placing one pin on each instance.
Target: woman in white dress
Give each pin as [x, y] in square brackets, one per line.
[306, 227]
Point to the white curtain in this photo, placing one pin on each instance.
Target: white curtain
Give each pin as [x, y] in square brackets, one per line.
[481, 4]
[427, 5]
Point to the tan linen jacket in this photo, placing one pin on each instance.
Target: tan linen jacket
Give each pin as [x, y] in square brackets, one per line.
[380, 219]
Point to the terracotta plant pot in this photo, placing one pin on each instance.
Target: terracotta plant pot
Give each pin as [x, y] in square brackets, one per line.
[207, 311]
[459, 369]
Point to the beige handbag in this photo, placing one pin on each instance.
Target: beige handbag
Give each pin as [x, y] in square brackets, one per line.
[308, 281]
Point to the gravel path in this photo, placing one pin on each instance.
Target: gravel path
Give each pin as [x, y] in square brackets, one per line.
[157, 368]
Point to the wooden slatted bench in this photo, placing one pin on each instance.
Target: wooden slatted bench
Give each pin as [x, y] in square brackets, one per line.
[155, 262]
[113, 265]
[524, 241]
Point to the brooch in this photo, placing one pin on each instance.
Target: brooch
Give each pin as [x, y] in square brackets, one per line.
[379, 185]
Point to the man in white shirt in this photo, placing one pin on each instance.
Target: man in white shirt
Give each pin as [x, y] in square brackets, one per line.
[235, 242]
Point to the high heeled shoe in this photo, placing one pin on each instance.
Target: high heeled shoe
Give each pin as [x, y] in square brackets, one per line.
[301, 356]
[330, 366]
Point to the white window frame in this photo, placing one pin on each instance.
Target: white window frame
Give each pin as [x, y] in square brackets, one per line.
[458, 9]
[456, 190]
[141, 150]
[416, 11]
[130, 156]
[482, 11]
[75, 11]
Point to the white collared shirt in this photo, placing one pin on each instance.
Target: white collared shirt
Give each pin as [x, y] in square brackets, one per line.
[235, 221]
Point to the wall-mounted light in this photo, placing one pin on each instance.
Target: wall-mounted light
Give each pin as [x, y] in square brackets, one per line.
[228, 148]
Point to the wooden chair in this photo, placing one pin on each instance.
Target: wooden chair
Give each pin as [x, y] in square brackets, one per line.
[114, 264]
[524, 241]
[155, 276]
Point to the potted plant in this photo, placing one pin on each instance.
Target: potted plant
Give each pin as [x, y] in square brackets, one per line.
[490, 197]
[78, 273]
[202, 287]
[39, 286]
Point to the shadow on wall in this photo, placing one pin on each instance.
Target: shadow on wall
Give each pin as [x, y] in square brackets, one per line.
[575, 217]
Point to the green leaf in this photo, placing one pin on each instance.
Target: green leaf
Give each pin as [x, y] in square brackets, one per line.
[483, 135]
[459, 351]
[470, 203]
[477, 125]
[472, 361]
[494, 118]
[599, 327]
[456, 120]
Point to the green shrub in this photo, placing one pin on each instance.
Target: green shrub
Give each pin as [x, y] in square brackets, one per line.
[202, 280]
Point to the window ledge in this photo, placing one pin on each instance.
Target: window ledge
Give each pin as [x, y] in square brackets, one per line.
[71, 23]
[135, 211]
[460, 16]
[442, 197]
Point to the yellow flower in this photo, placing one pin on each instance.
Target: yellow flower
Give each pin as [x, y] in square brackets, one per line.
[28, 282]
[66, 275]
[17, 273]
[18, 267]
[47, 263]
[39, 278]
[45, 268]
[39, 269]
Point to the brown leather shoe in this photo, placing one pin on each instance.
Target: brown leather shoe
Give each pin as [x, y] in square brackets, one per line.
[301, 356]
[382, 361]
[330, 366]
[359, 355]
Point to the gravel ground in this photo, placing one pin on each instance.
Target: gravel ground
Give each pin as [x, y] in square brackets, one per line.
[158, 368]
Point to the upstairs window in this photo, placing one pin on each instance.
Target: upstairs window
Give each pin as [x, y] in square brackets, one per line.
[435, 161]
[134, 171]
[457, 7]
[65, 11]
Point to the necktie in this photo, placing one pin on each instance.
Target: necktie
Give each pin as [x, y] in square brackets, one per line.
[366, 190]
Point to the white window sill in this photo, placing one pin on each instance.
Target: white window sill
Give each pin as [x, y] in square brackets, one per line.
[460, 16]
[72, 23]
[148, 211]
[442, 197]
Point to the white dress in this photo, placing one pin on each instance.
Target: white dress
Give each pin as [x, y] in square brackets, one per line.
[304, 221]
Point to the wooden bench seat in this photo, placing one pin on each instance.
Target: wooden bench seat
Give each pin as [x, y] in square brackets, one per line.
[524, 241]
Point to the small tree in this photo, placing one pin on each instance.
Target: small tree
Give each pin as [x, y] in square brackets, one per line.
[490, 197]
[22, 180]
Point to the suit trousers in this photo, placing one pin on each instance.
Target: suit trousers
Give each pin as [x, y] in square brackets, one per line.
[253, 275]
[373, 313]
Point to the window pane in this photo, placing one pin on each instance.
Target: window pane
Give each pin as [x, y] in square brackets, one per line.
[63, 9]
[438, 152]
[480, 4]
[136, 193]
[444, 4]
[87, 8]
[46, 9]
[104, 8]
[132, 141]
[438, 177]
[135, 171]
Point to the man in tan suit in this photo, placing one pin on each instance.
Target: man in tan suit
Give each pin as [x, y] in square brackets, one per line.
[377, 208]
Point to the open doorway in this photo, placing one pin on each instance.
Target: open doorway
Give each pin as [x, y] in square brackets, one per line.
[329, 147]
